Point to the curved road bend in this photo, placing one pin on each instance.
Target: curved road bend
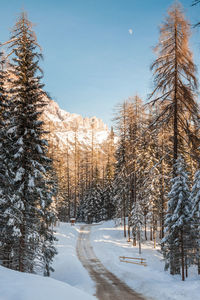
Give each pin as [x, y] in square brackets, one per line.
[108, 286]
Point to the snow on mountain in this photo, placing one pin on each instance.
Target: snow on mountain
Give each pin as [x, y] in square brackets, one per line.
[64, 127]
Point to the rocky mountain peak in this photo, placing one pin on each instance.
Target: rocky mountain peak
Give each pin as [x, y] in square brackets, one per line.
[63, 125]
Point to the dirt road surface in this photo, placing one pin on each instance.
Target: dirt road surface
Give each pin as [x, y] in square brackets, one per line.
[108, 286]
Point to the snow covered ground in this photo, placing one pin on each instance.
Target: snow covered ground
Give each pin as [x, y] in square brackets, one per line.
[21, 286]
[151, 281]
[72, 280]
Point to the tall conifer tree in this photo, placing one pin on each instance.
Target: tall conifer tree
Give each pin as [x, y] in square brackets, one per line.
[9, 206]
[180, 239]
[174, 77]
[30, 164]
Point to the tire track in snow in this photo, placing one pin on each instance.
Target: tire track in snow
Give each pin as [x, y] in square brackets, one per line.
[108, 286]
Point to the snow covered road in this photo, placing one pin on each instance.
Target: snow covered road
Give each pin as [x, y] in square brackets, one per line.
[108, 286]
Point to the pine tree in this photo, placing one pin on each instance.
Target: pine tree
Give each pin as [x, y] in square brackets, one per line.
[31, 189]
[108, 202]
[195, 2]
[9, 206]
[107, 189]
[120, 185]
[175, 81]
[135, 125]
[137, 222]
[93, 206]
[121, 192]
[195, 200]
[180, 238]
[148, 193]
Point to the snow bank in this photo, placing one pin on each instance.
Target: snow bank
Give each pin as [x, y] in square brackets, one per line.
[151, 281]
[67, 266]
[21, 286]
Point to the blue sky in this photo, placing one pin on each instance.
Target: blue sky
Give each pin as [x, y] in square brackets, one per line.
[91, 61]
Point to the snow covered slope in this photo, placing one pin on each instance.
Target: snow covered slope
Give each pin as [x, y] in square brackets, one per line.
[64, 126]
[21, 286]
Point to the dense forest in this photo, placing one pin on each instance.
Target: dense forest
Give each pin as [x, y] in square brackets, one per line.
[145, 175]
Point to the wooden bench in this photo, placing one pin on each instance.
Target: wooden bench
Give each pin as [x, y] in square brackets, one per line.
[133, 260]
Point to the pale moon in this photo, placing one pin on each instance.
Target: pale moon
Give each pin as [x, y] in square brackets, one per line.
[130, 31]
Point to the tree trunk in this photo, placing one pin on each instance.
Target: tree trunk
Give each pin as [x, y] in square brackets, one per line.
[175, 100]
[182, 257]
[22, 248]
[186, 267]
[129, 229]
[124, 214]
[154, 237]
[139, 243]
[134, 239]
[145, 227]
[151, 236]
[75, 171]
[162, 197]
[198, 251]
